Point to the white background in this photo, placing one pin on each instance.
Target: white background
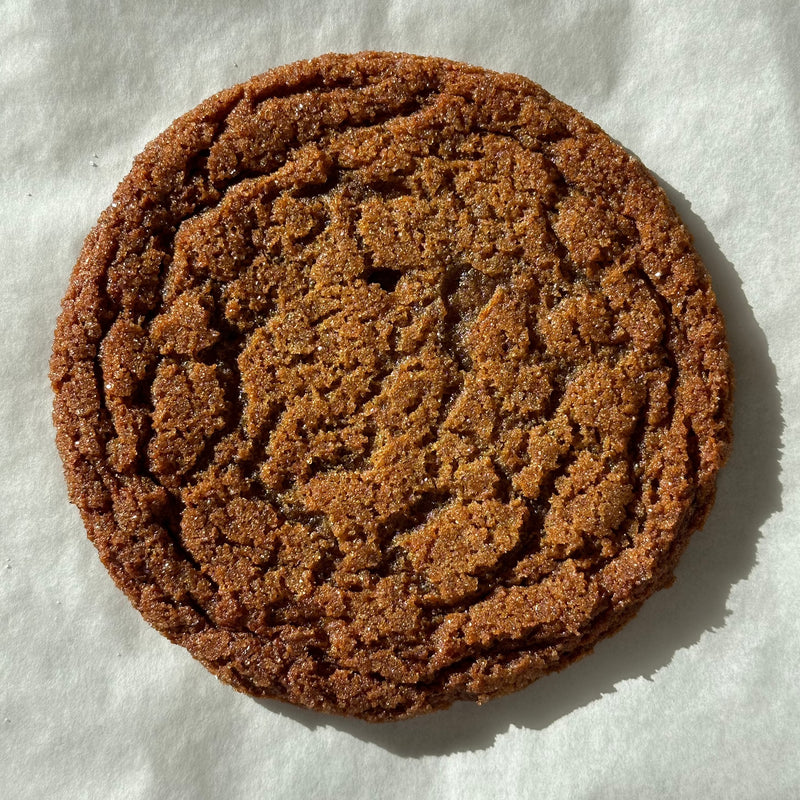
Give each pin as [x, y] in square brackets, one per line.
[698, 697]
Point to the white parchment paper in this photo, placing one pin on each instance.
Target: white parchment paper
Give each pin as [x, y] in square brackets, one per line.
[698, 697]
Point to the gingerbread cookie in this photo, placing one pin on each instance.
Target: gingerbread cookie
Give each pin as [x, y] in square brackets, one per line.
[387, 381]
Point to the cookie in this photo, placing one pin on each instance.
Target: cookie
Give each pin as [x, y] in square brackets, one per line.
[388, 381]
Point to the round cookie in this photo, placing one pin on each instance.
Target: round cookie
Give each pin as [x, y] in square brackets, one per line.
[387, 381]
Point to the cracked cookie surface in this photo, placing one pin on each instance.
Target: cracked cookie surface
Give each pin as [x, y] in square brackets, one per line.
[387, 381]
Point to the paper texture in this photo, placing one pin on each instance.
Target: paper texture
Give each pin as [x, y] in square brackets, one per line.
[698, 697]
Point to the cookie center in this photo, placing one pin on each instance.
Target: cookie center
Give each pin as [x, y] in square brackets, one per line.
[393, 375]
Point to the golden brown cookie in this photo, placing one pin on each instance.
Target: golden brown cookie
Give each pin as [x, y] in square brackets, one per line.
[388, 381]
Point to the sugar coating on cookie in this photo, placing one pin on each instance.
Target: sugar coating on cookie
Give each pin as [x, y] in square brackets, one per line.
[388, 381]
